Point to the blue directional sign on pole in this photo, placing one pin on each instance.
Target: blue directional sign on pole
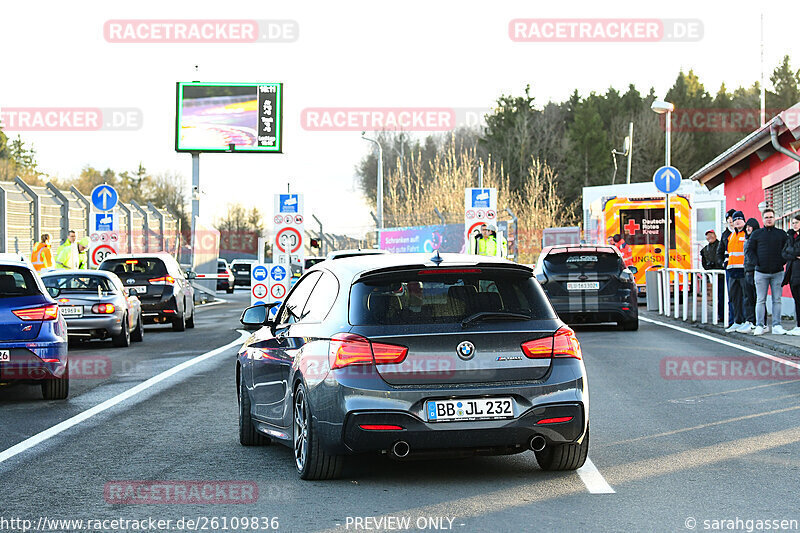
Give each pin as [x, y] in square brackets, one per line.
[104, 197]
[667, 179]
[260, 273]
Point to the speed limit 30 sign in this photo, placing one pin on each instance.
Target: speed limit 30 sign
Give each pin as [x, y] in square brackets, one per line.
[99, 253]
[288, 240]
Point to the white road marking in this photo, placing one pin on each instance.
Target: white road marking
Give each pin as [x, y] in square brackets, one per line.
[111, 402]
[593, 479]
[753, 351]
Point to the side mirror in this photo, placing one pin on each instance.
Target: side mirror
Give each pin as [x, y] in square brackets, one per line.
[633, 269]
[257, 315]
[191, 274]
[54, 291]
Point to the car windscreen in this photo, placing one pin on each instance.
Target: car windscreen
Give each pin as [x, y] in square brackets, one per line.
[17, 281]
[141, 266]
[583, 261]
[421, 298]
[78, 283]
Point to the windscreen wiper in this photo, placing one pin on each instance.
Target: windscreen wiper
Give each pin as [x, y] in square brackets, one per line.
[493, 315]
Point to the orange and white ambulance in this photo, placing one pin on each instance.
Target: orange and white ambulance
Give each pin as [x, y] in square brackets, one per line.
[639, 222]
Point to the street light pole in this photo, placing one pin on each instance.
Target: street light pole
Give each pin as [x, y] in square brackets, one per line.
[661, 107]
[380, 179]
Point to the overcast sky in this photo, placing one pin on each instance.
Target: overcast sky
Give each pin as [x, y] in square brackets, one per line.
[433, 53]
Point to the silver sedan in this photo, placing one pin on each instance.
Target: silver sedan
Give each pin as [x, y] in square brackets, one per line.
[96, 305]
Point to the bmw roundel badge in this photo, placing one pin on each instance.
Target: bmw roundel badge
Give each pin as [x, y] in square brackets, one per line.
[465, 350]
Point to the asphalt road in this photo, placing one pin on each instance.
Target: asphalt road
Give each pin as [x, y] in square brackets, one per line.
[675, 452]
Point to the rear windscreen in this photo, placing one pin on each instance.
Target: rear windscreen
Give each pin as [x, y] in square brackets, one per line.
[77, 283]
[143, 266]
[410, 298]
[17, 282]
[582, 261]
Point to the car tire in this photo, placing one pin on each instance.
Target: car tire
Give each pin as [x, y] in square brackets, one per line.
[56, 388]
[569, 456]
[179, 322]
[123, 339]
[630, 325]
[138, 333]
[190, 320]
[311, 461]
[248, 435]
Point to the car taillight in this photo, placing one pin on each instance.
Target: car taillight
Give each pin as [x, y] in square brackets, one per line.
[47, 312]
[538, 348]
[163, 280]
[563, 344]
[349, 349]
[103, 309]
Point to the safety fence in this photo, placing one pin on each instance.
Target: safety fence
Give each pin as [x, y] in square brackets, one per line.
[681, 291]
[27, 211]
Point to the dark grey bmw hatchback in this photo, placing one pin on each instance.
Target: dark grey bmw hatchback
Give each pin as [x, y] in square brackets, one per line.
[412, 355]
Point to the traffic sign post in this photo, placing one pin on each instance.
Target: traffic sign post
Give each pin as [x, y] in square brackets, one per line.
[103, 225]
[480, 207]
[288, 245]
[667, 179]
[259, 281]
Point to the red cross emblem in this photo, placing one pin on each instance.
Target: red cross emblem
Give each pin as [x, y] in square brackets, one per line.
[631, 227]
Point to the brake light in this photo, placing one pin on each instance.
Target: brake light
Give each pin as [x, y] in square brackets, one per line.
[449, 271]
[103, 309]
[48, 312]
[538, 348]
[163, 280]
[348, 349]
[565, 344]
[132, 262]
[554, 420]
[380, 427]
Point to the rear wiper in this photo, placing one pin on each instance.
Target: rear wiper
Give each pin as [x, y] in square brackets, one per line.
[493, 315]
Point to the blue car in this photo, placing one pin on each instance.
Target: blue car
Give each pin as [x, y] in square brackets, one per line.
[33, 333]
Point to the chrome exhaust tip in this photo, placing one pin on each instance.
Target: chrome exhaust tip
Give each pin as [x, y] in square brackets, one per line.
[401, 449]
[537, 443]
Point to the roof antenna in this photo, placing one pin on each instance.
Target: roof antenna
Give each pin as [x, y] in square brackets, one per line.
[437, 259]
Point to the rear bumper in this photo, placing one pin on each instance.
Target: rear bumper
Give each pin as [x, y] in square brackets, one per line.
[94, 327]
[159, 311]
[27, 363]
[592, 308]
[422, 435]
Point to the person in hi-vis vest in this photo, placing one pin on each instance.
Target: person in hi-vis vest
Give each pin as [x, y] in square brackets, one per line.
[42, 256]
[490, 244]
[67, 253]
[734, 270]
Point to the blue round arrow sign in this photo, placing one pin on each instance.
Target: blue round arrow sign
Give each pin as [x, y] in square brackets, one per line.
[104, 197]
[667, 179]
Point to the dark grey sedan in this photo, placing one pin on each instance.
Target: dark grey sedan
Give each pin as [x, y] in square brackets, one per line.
[96, 305]
[412, 355]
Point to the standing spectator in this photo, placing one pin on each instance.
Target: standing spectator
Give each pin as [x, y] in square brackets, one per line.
[791, 252]
[708, 256]
[749, 281]
[733, 247]
[766, 253]
[728, 224]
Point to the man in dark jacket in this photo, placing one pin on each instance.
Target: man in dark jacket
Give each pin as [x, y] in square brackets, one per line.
[708, 256]
[749, 282]
[728, 224]
[765, 251]
[791, 252]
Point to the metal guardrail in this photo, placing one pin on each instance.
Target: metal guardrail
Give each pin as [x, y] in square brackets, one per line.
[674, 286]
